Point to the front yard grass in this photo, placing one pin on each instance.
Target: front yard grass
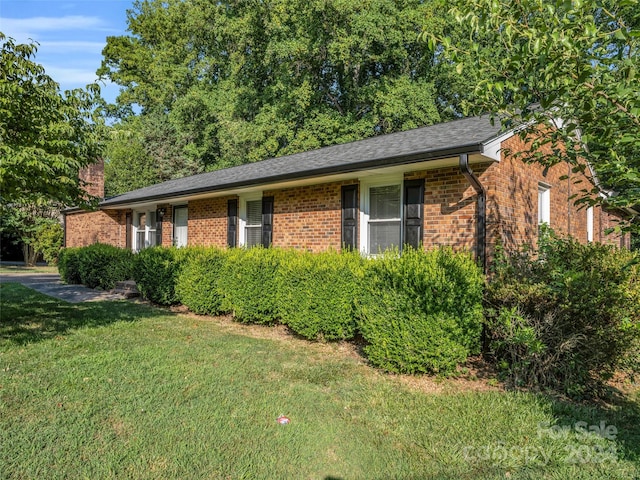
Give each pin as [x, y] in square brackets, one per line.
[124, 390]
[10, 268]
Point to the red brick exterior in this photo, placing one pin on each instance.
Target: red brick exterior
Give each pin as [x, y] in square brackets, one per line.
[208, 222]
[93, 175]
[512, 202]
[104, 226]
[309, 217]
[449, 207]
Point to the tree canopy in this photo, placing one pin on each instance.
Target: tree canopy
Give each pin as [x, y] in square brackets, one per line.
[240, 81]
[45, 137]
[569, 65]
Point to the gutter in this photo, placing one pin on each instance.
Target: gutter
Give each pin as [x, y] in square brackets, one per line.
[481, 212]
[423, 156]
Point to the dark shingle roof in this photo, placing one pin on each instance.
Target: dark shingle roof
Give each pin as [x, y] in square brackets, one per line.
[432, 142]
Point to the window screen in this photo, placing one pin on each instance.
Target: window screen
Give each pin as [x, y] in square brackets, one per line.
[253, 228]
[384, 218]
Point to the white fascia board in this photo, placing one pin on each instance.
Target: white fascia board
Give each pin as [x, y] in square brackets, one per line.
[491, 149]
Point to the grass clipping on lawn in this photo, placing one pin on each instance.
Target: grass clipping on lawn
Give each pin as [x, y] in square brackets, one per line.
[123, 390]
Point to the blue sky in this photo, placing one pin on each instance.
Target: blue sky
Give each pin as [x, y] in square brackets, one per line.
[71, 34]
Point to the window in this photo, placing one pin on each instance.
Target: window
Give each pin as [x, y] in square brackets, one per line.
[385, 220]
[180, 225]
[253, 224]
[145, 225]
[391, 214]
[256, 222]
[544, 204]
[590, 224]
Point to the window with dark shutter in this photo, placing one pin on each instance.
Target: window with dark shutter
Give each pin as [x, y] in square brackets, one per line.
[385, 222]
[267, 221]
[232, 222]
[349, 216]
[413, 212]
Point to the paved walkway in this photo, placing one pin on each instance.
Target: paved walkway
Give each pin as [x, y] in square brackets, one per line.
[50, 284]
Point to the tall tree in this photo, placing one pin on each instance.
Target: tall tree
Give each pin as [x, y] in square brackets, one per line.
[567, 70]
[241, 81]
[45, 137]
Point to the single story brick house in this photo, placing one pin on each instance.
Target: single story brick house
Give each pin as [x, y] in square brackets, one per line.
[445, 184]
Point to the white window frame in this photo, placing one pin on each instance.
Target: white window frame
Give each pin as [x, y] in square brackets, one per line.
[590, 224]
[365, 187]
[242, 216]
[544, 203]
[149, 231]
[174, 238]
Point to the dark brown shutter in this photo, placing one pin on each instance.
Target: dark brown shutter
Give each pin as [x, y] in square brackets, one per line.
[413, 212]
[267, 221]
[232, 222]
[349, 216]
[158, 228]
[128, 220]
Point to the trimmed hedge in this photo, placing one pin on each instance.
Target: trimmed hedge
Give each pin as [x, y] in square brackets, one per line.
[318, 294]
[156, 271]
[421, 312]
[69, 265]
[197, 284]
[101, 265]
[248, 284]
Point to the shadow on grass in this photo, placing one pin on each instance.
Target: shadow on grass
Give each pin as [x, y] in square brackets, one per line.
[618, 421]
[27, 316]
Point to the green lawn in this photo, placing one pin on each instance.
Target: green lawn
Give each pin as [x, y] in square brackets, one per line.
[24, 269]
[122, 390]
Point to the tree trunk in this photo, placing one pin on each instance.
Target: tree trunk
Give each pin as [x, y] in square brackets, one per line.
[30, 255]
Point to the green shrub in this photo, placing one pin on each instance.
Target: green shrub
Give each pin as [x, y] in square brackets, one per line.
[48, 241]
[69, 265]
[156, 271]
[564, 317]
[248, 284]
[197, 284]
[318, 292]
[102, 265]
[422, 311]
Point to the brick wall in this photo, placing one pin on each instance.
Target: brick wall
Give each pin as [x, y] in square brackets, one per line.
[512, 201]
[104, 226]
[93, 175]
[167, 225]
[208, 222]
[449, 207]
[308, 218]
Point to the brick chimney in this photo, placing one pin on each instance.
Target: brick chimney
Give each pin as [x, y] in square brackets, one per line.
[94, 176]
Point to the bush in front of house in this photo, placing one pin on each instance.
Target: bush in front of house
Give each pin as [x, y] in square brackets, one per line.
[156, 272]
[102, 265]
[197, 284]
[48, 240]
[564, 317]
[248, 284]
[69, 265]
[318, 293]
[421, 312]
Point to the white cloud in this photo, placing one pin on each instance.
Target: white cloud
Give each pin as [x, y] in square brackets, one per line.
[48, 24]
[74, 77]
[75, 46]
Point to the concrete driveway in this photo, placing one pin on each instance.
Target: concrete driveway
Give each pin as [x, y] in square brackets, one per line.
[50, 284]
